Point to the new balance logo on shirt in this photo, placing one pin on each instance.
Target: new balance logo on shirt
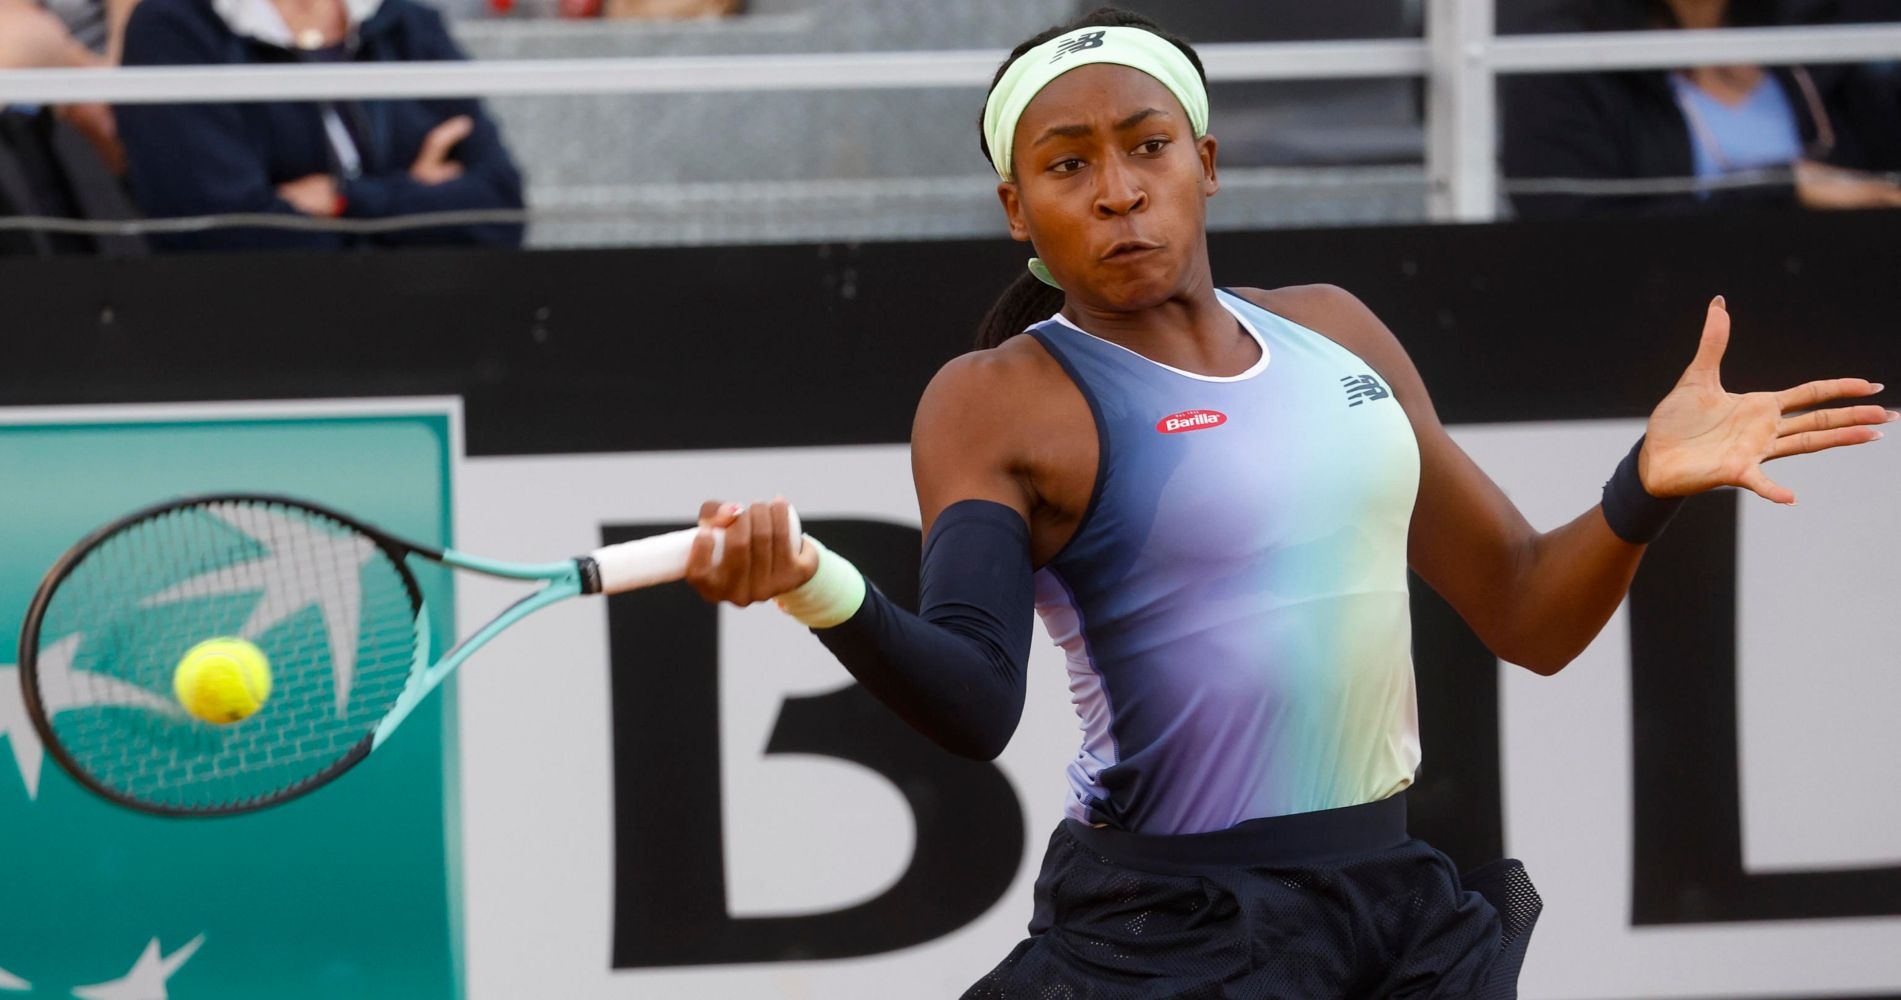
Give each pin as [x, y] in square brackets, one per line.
[1363, 389]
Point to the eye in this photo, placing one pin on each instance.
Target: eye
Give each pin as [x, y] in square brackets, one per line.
[1066, 165]
[1152, 146]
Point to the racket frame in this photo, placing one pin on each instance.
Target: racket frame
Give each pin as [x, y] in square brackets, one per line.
[396, 549]
[611, 569]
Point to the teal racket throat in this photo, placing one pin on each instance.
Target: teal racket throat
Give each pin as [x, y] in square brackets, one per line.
[562, 581]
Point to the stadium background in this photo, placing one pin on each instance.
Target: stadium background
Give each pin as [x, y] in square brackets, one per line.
[649, 798]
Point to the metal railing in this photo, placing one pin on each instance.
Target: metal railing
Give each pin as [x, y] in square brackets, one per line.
[1460, 58]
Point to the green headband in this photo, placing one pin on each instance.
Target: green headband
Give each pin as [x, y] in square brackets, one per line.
[1026, 77]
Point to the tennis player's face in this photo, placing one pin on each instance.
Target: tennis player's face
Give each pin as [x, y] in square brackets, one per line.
[1112, 187]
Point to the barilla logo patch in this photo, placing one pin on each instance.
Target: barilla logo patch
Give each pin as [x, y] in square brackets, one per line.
[1190, 420]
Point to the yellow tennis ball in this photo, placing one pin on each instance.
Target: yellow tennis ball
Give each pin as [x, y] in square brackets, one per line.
[222, 680]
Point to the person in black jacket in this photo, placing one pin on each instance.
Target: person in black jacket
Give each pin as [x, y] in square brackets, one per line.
[349, 159]
[1812, 137]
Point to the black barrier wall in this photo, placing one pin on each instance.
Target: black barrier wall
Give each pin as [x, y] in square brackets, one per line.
[637, 350]
[718, 347]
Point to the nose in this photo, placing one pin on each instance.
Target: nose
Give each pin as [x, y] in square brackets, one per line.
[1118, 190]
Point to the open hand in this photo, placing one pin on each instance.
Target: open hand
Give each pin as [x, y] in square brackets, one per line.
[433, 165]
[1703, 436]
[1819, 185]
[758, 563]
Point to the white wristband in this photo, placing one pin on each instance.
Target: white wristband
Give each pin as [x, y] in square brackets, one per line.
[833, 594]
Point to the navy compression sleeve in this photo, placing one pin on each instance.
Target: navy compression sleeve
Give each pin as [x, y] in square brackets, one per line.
[956, 670]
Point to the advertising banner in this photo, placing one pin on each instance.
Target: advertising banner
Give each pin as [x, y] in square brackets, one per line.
[668, 800]
[351, 892]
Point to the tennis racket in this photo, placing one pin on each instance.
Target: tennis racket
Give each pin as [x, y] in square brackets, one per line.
[332, 604]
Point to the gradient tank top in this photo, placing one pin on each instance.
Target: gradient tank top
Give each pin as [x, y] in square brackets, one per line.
[1234, 603]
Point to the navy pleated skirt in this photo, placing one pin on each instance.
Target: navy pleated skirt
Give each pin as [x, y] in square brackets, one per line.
[1338, 903]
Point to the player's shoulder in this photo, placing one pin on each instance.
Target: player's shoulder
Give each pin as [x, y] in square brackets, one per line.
[997, 375]
[1329, 304]
[1333, 312]
[994, 392]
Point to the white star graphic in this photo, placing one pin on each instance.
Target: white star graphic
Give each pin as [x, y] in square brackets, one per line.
[146, 980]
[290, 581]
[9, 981]
[61, 688]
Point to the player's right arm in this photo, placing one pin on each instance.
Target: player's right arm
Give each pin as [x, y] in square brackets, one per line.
[955, 670]
[965, 439]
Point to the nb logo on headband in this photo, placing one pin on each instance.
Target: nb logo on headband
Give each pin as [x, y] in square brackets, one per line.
[1093, 40]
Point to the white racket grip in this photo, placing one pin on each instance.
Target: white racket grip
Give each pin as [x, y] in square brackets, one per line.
[657, 559]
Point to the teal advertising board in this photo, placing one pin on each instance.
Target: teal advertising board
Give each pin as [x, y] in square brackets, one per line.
[352, 891]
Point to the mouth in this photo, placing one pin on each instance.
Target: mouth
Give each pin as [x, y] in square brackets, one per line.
[1126, 249]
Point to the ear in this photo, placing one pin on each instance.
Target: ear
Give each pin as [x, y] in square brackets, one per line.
[1013, 210]
[1205, 148]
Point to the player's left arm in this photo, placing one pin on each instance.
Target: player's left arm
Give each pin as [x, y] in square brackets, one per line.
[1538, 598]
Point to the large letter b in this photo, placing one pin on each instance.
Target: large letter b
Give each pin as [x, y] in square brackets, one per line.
[670, 880]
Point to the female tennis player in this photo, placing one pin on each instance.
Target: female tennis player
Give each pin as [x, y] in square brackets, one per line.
[1211, 497]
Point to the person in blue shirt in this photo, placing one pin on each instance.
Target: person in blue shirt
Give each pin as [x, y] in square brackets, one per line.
[330, 159]
[1730, 137]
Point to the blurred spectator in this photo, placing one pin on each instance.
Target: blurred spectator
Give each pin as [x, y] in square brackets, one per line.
[99, 25]
[350, 159]
[33, 38]
[1823, 133]
[30, 38]
[61, 161]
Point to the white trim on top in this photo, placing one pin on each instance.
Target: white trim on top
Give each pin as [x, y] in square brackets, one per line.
[1253, 370]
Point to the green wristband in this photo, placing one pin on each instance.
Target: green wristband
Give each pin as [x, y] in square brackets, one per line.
[831, 596]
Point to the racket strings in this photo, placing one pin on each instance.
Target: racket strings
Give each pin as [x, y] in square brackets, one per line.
[331, 611]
